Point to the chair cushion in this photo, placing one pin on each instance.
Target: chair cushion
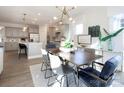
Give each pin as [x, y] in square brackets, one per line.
[109, 68]
[89, 80]
[90, 70]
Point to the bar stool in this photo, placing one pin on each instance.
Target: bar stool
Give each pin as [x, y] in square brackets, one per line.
[22, 47]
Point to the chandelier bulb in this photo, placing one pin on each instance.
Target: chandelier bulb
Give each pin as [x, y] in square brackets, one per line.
[55, 18]
[60, 22]
[70, 19]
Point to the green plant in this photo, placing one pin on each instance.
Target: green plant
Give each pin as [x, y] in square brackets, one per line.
[68, 44]
[109, 37]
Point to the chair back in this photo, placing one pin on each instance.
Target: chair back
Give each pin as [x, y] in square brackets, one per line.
[43, 51]
[22, 46]
[45, 54]
[110, 67]
[50, 45]
[56, 64]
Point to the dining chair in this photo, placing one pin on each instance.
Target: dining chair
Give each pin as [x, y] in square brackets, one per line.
[50, 45]
[61, 70]
[45, 63]
[94, 78]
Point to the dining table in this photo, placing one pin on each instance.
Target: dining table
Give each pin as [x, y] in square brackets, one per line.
[78, 57]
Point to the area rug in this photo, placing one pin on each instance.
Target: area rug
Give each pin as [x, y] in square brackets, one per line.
[40, 81]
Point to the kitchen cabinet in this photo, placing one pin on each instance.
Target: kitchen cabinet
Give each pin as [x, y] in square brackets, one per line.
[10, 46]
[35, 37]
[33, 30]
[16, 32]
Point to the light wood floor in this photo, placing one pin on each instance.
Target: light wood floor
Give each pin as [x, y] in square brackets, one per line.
[16, 71]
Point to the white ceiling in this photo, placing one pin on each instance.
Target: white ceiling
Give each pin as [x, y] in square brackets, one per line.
[14, 14]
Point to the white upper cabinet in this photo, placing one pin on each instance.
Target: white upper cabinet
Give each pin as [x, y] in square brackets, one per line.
[15, 32]
[33, 30]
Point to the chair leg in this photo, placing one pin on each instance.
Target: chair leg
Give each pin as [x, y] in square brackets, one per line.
[77, 76]
[43, 64]
[19, 53]
[67, 81]
[48, 83]
[42, 67]
[74, 78]
[61, 80]
[46, 77]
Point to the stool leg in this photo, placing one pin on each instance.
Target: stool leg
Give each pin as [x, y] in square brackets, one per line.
[74, 78]
[19, 52]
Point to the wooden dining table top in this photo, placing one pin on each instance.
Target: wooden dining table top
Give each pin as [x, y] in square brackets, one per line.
[77, 57]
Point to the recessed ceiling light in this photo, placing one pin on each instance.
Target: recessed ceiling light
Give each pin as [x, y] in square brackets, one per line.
[70, 19]
[55, 18]
[39, 14]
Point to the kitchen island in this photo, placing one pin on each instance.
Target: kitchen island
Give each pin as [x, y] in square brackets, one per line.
[33, 49]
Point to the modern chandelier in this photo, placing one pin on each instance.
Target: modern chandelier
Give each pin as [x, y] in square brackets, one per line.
[64, 17]
[25, 27]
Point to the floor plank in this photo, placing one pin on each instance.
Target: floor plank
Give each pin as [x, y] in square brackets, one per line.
[16, 71]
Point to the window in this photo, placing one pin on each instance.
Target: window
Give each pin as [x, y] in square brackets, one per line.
[79, 29]
[117, 22]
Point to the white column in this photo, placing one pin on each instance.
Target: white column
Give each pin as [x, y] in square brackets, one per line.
[1, 59]
[43, 34]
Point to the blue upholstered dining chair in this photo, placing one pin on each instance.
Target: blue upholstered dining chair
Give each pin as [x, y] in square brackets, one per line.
[50, 45]
[93, 78]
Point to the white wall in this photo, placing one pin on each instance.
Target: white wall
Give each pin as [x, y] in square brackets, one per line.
[90, 17]
[43, 34]
[97, 16]
[100, 16]
[118, 41]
